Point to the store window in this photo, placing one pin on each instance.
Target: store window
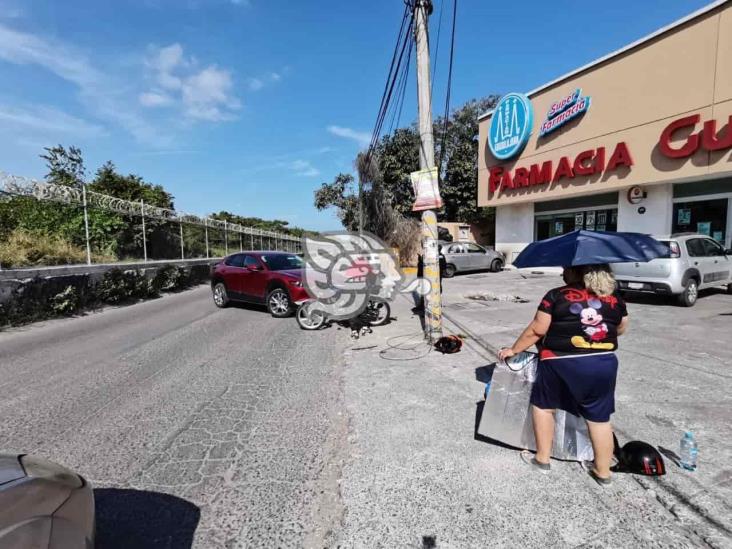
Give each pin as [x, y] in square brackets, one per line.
[549, 225]
[707, 217]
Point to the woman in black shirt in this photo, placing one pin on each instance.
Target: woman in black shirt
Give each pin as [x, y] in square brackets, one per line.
[576, 330]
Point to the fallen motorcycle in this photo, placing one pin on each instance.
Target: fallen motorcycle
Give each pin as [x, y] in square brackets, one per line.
[376, 313]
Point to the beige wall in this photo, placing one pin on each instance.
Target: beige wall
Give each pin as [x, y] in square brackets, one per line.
[634, 96]
[480, 233]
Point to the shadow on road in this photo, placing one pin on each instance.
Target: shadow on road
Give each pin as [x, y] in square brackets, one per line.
[665, 300]
[143, 520]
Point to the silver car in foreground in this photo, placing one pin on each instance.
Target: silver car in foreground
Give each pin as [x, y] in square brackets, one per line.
[43, 505]
[468, 256]
[695, 262]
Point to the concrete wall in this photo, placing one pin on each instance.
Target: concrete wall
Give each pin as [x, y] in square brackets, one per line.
[635, 95]
[514, 229]
[28, 295]
[63, 270]
[658, 211]
[480, 233]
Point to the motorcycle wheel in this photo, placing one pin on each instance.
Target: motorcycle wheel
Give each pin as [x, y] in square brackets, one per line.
[380, 313]
[309, 320]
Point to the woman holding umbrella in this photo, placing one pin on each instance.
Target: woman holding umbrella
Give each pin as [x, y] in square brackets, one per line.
[576, 329]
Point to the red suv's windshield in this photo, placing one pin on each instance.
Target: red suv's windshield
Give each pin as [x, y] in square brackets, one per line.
[282, 262]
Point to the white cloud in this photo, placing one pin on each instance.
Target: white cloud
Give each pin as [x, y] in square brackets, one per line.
[202, 93]
[304, 168]
[47, 120]
[255, 84]
[155, 99]
[362, 138]
[98, 91]
[259, 82]
[207, 95]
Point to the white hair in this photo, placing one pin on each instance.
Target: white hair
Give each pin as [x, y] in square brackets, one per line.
[599, 279]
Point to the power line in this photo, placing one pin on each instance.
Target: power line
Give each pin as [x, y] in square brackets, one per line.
[449, 87]
[436, 53]
[401, 87]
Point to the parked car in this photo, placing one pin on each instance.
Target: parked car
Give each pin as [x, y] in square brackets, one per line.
[273, 279]
[468, 256]
[43, 505]
[695, 262]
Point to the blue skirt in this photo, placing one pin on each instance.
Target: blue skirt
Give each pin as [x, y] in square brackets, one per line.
[583, 385]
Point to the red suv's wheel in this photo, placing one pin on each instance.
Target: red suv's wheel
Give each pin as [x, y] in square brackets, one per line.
[220, 296]
[278, 303]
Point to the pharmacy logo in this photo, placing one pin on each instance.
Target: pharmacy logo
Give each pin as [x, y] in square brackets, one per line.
[511, 125]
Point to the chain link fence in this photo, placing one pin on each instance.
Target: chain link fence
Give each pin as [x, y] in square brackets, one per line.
[108, 229]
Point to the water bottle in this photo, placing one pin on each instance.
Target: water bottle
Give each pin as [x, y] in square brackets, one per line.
[689, 451]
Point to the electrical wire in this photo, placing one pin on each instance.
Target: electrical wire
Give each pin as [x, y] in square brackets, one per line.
[405, 41]
[396, 114]
[449, 88]
[402, 347]
[436, 53]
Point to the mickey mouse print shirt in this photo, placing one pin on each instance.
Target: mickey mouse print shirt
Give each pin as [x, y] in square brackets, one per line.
[582, 322]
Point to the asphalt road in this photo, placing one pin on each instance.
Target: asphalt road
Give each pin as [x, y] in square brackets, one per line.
[196, 426]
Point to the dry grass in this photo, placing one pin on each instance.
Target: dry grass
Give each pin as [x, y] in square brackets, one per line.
[24, 249]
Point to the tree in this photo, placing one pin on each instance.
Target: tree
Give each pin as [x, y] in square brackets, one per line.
[396, 156]
[341, 195]
[276, 225]
[459, 162]
[129, 187]
[26, 214]
[65, 167]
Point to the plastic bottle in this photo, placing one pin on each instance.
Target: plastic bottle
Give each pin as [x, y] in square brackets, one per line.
[689, 451]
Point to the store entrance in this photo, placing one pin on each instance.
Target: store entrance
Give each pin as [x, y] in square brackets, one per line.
[549, 225]
[707, 217]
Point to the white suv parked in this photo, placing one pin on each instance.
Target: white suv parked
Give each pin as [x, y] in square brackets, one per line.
[695, 262]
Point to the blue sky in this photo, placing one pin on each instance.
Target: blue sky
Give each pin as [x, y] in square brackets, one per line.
[249, 105]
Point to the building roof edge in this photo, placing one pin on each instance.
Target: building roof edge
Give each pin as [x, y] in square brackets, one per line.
[698, 13]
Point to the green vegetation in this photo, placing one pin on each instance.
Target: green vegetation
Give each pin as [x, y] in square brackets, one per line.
[34, 232]
[22, 248]
[387, 191]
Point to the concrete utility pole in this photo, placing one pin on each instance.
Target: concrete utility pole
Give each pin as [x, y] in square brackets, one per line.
[431, 264]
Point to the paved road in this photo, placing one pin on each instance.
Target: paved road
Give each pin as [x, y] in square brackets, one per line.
[675, 372]
[196, 425]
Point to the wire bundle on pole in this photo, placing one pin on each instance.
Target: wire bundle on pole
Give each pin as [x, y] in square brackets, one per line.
[397, 77]
[449, 89]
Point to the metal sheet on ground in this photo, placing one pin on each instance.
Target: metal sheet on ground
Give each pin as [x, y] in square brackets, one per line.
[507, 418]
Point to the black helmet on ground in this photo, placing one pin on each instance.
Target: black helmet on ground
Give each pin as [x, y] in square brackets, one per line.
[639, 458]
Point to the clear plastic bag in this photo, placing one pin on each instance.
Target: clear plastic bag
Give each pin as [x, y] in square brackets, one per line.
[507, 412]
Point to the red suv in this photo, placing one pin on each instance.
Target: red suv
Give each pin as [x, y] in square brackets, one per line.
[270, 278]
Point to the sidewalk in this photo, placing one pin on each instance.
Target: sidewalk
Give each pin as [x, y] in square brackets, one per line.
[417, 476]
[675, 372]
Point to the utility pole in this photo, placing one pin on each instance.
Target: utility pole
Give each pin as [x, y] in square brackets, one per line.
[431, 264]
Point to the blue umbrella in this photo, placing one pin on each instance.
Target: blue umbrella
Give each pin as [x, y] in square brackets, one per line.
[590, 248]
